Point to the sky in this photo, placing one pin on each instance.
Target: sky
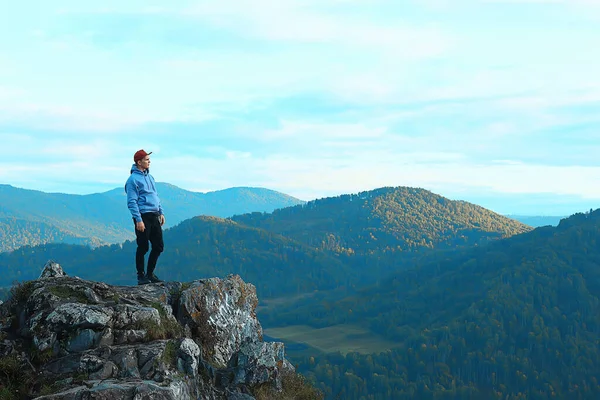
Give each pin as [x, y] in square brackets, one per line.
[492, 102]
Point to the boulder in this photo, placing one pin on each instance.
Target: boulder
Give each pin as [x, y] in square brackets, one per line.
[221, 313]
[52, 270]
[81, 339]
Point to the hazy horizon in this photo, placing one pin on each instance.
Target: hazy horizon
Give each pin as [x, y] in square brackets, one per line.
[525, 206]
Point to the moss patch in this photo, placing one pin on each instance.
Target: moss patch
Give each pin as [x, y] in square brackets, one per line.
[20, 292]
[166, 329]
[294, 387]
[15, 378]
[40, 358]
[169, 355]
[160, 308]
[67, 292]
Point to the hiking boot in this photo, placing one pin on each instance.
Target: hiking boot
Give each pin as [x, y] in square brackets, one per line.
[153, 278]
[143, 280]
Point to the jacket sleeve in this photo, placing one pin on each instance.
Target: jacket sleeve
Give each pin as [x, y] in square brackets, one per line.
[160, 208]
[132, 200]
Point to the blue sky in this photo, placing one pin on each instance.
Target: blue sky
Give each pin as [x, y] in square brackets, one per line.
[494, 102]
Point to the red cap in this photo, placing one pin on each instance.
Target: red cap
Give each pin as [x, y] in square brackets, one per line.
[140, 154]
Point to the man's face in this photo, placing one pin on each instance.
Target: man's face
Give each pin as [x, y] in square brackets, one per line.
[144, 163]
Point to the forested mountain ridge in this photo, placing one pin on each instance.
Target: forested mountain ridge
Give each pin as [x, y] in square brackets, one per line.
[30, 217]
[15, 233]
[209, 245]
[212, 246]
[389, 219]
[518, 318]
[195, 248]
[452, 317]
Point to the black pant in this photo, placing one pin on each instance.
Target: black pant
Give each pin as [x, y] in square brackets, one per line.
[152, 233]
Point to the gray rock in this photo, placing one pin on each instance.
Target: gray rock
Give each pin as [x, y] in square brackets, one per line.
[84, 340]
[46, 340]
[222, 314]
[52, 270]
[77, 315]
[97, 368]
[91, 295]
[258, 363]
[129, 336]
[175, 391]
[188, 357]
[132, 316]
[107, 338]
[239, 396]
[142, 342]
[126, 360]
[134, 390]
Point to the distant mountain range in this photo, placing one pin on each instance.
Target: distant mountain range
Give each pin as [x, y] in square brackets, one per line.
[29, 217]
[320, 245]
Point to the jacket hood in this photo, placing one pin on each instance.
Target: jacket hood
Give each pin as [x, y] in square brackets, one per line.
[135, 170]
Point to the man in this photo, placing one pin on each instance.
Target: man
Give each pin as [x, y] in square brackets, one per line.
[147, 213]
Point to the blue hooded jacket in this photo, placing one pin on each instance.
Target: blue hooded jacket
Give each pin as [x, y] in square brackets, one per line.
[141, 193]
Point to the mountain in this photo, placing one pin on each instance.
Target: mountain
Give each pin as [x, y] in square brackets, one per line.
[518, 318]
[29, 217]
[180, 204]
[312, 256]
[280, 257]
[389, 219]
[537, 220]
[198, 247]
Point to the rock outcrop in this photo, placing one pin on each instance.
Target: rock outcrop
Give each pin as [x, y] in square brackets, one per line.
[76, 339]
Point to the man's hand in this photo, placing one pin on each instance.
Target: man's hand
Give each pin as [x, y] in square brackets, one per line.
[161, 218]
[140, 226]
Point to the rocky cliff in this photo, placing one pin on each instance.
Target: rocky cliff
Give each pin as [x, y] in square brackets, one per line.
[66, 338]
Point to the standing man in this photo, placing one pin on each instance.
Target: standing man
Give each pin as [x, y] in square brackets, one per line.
[147, 213]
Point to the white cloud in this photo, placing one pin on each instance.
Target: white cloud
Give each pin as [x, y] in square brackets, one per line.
[307, 21]
[316, 133]
[84, 119]
[311, 177]
[10, 93]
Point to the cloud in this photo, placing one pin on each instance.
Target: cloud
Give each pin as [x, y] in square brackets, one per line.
[314, 132]
[312, 98]
[309, 177]
[72, 118]
[371, 53]
[311, 22]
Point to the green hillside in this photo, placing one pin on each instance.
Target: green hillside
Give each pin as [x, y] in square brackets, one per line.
[212, 246]
[386, 220]
[465, 323]
[197, 248]
[15, 233]
[516, 319]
